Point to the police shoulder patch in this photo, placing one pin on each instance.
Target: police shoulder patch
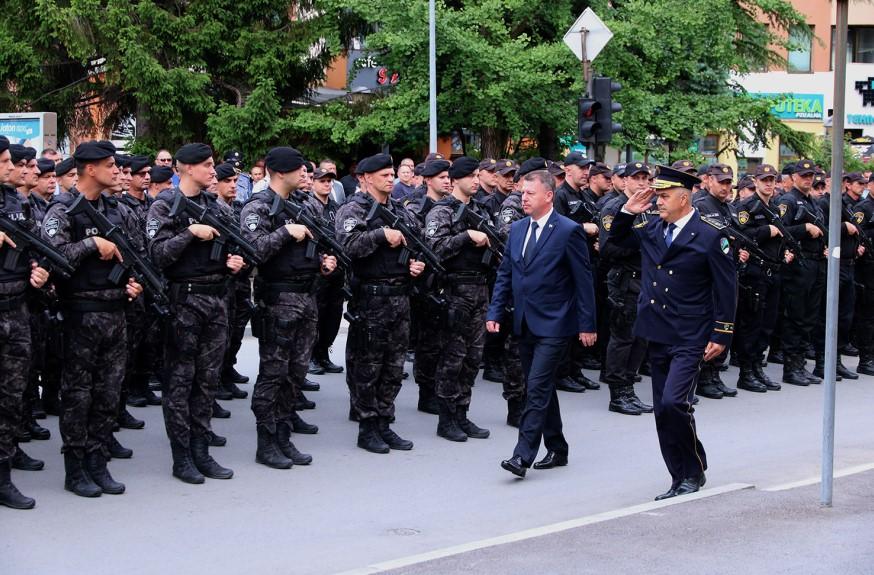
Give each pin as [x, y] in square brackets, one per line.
[432, 227]
[349, 224]
[607, 222]
[252, 221]
[859, 217]
[743, 217]
[783, 208]
[152, 227]
[724, 245]
[51, 225]
[507, 215]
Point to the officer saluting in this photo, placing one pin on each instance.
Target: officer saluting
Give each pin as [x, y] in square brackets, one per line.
[686, 310]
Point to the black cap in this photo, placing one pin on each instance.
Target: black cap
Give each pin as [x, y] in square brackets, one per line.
[599, 168]
[818, 180]
[531, 165]
[506, 167]
[375, 163]
[224, 171]
[283, 159]
[463, 167]
[555, 168]
[233, 156]
[65, 166]
[94, 150]
[634, 168]
[320, 173]
[577, 159]
[139, 163]
[765, 171]
[684, 166]
[667, 178]
[855, 177]
[488, 164]
[161, 174]
[434, 167]
[720, 172]
[4, 144]
[619, 170]
[788, 170]
[702, 169]
[804, 168]
[45, 166]
[192, 154]
[746, 182]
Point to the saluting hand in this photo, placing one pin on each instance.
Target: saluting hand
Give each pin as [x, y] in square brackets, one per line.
[640, 201]
[38, 276]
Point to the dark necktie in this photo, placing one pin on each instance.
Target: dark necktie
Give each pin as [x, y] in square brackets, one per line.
[669, 237]
[532, 242]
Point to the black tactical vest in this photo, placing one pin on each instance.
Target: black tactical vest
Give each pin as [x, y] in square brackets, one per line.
[13, 208]
[291, 260]
[195, 261]
[382, 263]
[93, 272]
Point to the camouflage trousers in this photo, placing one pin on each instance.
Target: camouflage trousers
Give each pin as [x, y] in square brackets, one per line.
[239, 313]
[464, 333]
[14, 365]
[287, 330]
[135, 377]
[375, 352]
[514, 378]
[428, 318]
[95, 353]
[194, 349]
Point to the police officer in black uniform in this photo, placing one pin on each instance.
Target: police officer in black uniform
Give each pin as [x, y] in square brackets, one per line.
[862, 208]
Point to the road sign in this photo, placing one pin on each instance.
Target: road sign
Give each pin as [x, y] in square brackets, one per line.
[597, 35]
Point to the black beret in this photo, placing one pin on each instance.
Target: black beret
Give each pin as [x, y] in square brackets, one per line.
[94, 150]
[463, 167]
[311, 167]
[667, 178]
[45, 166]
[31, 153]
[283, 159]
[375, 163]
[161, 174]
[65, 166]
[577, 159]
[139, 163]
[434, 167]
[17, 153]
[122, 161]
[417, 171]
[225, 171]
[531, 165]
[4, 144]
[600, 168]
[192, 154]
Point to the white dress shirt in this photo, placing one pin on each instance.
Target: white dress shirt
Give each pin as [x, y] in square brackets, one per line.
[679, 225]
[540, 225]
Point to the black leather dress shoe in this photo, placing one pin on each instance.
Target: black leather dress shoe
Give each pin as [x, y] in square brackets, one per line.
[515, 466]
[237, 377]
[569, 384]
[329, 366]
[586, 382]
[308, 385]
[552, 459]
[690, 485]
[672, 492]
[315, 368]
[709, 391]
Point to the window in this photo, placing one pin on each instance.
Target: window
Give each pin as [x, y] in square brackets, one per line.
[709, 145]
[860, 45]
[787, 155]
[801, 44]
[748, 165]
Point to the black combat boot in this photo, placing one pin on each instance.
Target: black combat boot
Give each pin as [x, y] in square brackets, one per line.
[706, 386]
[283, 441]
[25, 462]
[38, 432]
[223, 393]
[268, 452]
[720, 385]
[95, 464]
[427, 401]
[298, 425]
[308, 385]
[619, 402]
[235, 391]
[447, 425]
[204, 461]
[315, 368]
[470, 428]
[819, 369]
[218, 411]
[515, 405]
[581, 378]
[841, 370]
[128, 421]
[77, 479]
[183, 465]
[10, 496]
[632, 398]
[866, 364]
[793, 370]
[216, 440]
[37, 411]
[747, 379]
[369, 438]
[392, 439]
[762, 377]
[235, 376]
[117, 450]
[301, 402]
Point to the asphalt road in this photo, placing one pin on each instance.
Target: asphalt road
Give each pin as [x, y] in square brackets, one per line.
[350, 508]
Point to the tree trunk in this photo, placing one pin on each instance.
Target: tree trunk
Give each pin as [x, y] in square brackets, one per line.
[547, 141]
[494, 140]
[144, 127]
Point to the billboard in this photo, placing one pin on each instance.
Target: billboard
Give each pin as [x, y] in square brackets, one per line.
[35, 129]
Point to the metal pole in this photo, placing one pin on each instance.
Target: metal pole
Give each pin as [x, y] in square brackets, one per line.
[834, 255]
[432, 73]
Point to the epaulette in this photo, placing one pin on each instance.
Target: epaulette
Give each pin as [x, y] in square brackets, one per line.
[713, 222]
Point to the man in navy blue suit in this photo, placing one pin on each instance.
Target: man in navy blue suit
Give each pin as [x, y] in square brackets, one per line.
[685, 310]
[545, 277]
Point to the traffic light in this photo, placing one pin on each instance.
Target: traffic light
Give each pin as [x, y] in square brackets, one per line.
[602, 90]
[587, 124]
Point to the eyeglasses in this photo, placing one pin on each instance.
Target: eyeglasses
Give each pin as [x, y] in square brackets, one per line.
[163, 160]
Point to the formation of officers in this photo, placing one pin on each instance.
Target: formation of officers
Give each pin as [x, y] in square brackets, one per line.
[147, 276]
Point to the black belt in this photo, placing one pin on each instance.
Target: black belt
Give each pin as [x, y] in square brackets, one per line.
[12, 302]
[304, 285]
[94, 306]
[181, 288]
[383, 289]
[473, 278]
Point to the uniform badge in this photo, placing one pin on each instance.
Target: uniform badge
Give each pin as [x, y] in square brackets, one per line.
[743, 217]
[607, 222]
[724, 245]
[152, 227]
[507, 215]
[252, 221]
[432, 227]
[51, 226]
[859, 217]
[783, 209]
[349, 224]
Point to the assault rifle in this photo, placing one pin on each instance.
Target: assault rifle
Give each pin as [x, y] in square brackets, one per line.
[477, 222]
[229, 234]
[25, 240]
[415, 247]
[323, 235]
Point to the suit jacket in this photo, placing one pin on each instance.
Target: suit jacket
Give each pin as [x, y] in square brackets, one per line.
[688, 291]
[553, 294]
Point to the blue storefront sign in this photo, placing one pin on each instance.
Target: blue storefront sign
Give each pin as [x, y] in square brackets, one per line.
[796, 106]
